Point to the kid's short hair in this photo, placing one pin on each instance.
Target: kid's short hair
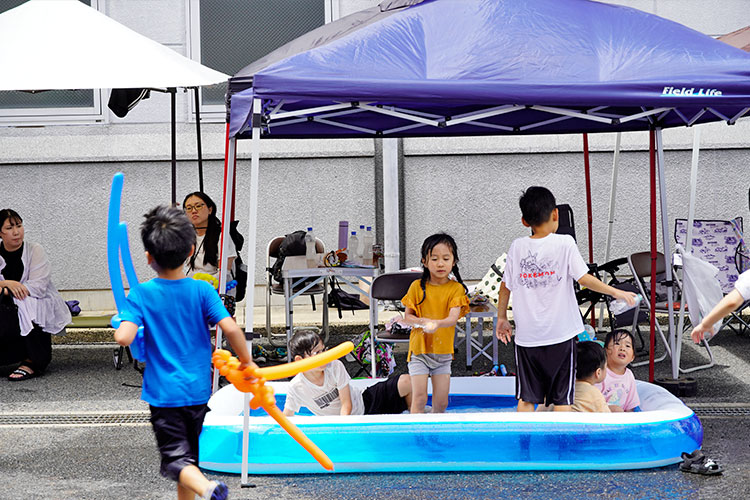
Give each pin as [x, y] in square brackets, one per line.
[168, 235]
[617, 335]
[537, 204]
[591, 356]
[303, 342]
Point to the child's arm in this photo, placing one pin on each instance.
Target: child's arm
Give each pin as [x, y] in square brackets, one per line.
[503, 331]
[236, 338]
[429, 325]
[346, 400]
[125, 333]
[729, 303]
[592, 282]
[288, 412]
[615, 409]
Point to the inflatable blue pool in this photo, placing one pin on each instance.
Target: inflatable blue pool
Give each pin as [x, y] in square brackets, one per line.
[480, 432]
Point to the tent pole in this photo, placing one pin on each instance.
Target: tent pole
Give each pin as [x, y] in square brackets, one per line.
[198, 138]
[677, 351]
[671, 334]
[229, 154]
[590, 217]
[391, 233]
[611, 216]
[652, 218]
[173, 100]
[251, 254]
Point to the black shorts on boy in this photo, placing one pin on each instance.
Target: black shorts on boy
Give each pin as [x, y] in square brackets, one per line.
[383, 398]
[177, 430]
[546, 374]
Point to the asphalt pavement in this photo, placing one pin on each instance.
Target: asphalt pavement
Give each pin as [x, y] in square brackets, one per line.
[81, 432]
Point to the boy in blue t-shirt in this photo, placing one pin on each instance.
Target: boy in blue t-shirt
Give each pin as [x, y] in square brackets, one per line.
[175, 312]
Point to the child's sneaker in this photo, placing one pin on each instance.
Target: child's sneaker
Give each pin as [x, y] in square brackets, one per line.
[217, 491]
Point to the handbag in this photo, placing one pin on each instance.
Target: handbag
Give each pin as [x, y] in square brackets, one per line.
[340, 299]
[9, 325]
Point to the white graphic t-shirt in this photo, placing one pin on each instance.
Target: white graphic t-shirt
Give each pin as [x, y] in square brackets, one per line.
[323, 400]
[540, 275]
[743, 285]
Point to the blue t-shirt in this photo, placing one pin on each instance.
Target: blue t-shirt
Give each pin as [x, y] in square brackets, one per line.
[175, 315]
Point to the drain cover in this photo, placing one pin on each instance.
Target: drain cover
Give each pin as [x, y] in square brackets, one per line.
[60, 419]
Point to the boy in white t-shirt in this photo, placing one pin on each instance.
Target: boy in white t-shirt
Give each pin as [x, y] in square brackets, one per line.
[326, 390]
[618, 386]
[540, 272]
[729, 303]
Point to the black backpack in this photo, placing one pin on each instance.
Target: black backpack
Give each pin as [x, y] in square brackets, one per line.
[239, 269]
[293, 244]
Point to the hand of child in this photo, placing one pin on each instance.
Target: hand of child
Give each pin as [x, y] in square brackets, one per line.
[699, 333]
[503, 331]
[429, 325]
[250, 364]
[628, 297]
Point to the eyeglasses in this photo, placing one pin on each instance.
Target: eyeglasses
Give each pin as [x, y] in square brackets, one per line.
[318, 351]
[197, 207]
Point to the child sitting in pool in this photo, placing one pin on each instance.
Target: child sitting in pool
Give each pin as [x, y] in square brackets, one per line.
[618, 386]
[591, 368]
[326, 390]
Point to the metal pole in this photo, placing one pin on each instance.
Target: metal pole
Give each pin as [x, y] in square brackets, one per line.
[652, 214]
[198, 138]
[672, 335]
[173, 100]
[590, 217]
[392, 232]
[611, 216]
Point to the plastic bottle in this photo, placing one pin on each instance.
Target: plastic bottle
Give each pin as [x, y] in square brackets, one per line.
[361, 247]
[351, 254]
[503, 371]
[343, 233]
[311, 256]
[367, 242]
[619, 306]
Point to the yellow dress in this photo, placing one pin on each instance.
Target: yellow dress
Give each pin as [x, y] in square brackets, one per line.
[438, 303]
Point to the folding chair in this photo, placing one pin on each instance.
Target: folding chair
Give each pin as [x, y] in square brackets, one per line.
[388, 286]
[272, 252]
[721, 243]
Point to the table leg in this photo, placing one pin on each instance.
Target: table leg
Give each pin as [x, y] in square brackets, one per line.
[325, 309]
[289, 312]
[467, 341]
[494, 340]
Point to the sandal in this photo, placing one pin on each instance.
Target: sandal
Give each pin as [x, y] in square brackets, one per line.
[698, 463]
[25, 374]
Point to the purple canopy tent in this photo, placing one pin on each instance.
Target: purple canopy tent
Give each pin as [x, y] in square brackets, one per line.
[486, 67]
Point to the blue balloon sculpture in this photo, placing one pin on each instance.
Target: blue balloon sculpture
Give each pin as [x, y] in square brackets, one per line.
[117, 246]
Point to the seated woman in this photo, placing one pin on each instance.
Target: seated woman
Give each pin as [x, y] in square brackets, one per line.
[25, 272]
[201, 210]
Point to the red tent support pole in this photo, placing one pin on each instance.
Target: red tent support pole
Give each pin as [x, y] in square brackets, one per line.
[590, 217]
[652, 316]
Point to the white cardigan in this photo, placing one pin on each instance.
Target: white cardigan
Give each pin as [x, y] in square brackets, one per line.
[44, 305]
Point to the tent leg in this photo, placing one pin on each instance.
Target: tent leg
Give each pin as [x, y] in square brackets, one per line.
[672, 335]
[391, 233]
[589, 215]
[652, 218]
[173, 120]
[611, 217]
[198, 137]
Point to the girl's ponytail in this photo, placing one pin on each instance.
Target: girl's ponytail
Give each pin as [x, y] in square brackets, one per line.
[458, 277]
[423, 282]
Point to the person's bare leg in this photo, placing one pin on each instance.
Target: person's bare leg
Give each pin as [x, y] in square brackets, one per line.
[191, 482]
[418, 393]
[525, 406]
[562, 408]
[404, 388]
[441, 387]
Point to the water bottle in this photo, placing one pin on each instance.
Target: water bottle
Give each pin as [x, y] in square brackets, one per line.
[311, 256]
[351, 254]
[619, 306]
[367, 242]
[361, 247]
[343, 234]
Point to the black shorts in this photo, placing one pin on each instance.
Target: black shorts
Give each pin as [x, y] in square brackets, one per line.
[177, 430]
[383, 397]
[546, 374]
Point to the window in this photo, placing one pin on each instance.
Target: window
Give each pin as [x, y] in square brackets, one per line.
[227, 35]
[53, 106]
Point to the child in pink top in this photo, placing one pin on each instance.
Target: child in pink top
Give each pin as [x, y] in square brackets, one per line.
[618, 387]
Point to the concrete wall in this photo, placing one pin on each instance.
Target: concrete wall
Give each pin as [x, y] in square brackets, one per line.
[58, 176]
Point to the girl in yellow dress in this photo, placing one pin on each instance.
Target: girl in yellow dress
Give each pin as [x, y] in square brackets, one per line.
[434, 304]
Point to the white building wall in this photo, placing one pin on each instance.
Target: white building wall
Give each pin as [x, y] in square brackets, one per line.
[58, 176]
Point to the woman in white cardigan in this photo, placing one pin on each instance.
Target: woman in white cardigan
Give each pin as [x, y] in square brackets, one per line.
[25, 273]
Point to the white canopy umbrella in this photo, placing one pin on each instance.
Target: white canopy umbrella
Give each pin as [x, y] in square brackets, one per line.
[66, 45]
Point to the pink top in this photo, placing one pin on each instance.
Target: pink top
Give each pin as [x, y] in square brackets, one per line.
[620, 389]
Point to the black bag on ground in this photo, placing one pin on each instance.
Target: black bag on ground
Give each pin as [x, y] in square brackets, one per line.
[341, 300]
[293, 244]
[9, 325]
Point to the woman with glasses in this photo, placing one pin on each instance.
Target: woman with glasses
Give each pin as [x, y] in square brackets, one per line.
[25, 278]
[201, 210]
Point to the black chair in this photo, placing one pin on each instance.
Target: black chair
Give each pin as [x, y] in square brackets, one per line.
[566, 221]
